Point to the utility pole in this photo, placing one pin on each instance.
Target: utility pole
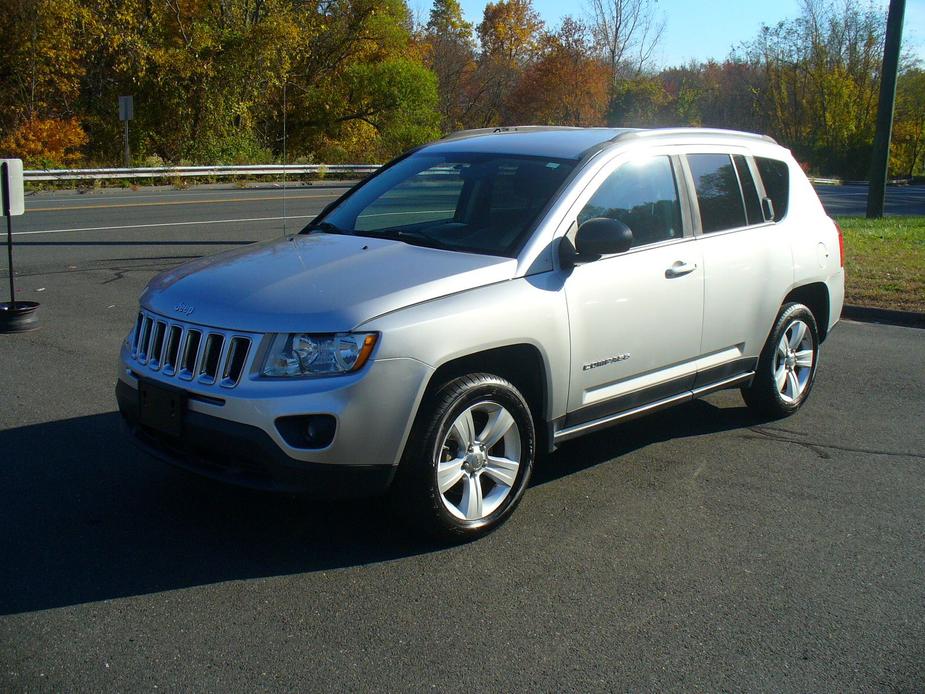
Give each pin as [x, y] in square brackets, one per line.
[880, 159]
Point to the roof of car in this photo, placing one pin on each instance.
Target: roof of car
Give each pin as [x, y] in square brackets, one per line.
[553, 142]
[560, 142]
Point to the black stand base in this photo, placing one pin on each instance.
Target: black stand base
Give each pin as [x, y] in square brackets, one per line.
[20, 317]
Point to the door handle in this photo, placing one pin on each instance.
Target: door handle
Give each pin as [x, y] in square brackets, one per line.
[679, 269]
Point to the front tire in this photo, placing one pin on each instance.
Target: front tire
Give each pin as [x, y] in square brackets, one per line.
[469, 458]
[787, 365]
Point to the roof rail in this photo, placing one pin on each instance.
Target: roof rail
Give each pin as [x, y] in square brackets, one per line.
[475, 132]
[695, 132]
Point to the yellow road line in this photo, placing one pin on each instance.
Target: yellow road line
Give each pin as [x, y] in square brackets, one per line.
[163, 224]
[178, 202]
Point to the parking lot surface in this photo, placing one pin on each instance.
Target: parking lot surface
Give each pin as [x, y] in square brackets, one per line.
[697, 549]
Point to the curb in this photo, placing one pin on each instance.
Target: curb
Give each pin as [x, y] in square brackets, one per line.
[869, 314]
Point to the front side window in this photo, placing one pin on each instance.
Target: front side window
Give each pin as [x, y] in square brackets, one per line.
[481, 203]
[642, 194]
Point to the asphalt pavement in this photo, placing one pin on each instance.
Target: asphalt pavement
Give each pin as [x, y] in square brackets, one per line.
[852, 199]
[697, 549]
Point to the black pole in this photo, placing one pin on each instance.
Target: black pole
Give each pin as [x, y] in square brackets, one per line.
[880, 159]
[4, 181]
[9, 253]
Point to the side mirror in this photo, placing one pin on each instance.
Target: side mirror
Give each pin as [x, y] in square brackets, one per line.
[767, 209]
[602, 236]
[594, 238]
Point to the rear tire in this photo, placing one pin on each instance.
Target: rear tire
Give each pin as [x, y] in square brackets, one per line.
[469, 458]
[787, 365]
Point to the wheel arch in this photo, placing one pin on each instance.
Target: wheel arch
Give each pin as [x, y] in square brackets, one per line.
[815, 296]
[522, 364]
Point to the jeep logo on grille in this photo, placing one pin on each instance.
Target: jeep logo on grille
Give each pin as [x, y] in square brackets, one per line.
[185, 309]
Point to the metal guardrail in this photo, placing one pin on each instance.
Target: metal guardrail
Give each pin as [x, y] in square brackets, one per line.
[185, 171]
[825, 181]
[268, 170]
[843, 182]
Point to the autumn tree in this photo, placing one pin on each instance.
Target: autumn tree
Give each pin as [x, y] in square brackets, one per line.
[820, 79]
[215, 81]
[639, 103]
[626, 33]
[451, 56]
[209, 78]
[45, 143]
[726, 96]
[41, 58]
[41, 67]
[358, 91]
[508, 35]
[565, 84]
[908, 144]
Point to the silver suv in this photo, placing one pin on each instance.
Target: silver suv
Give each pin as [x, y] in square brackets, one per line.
[484, 298]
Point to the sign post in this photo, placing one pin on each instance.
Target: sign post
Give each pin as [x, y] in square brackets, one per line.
[15, 316]
[126, 113]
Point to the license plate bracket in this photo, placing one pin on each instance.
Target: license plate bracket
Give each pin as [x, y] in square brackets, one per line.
[161, 408]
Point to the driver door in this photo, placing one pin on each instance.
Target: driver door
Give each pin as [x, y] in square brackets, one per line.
[635, 317]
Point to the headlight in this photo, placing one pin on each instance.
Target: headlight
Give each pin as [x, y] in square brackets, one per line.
[303, 354]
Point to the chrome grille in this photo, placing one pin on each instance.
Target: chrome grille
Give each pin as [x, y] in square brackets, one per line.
[188, 352]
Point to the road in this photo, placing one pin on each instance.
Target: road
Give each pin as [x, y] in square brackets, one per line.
[852, 199]
[201, 209]
[698, 549]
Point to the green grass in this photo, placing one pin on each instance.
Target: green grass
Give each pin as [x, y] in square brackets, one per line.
[885, 262]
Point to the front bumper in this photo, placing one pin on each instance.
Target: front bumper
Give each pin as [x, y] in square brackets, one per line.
[232, 434]
[246, 456]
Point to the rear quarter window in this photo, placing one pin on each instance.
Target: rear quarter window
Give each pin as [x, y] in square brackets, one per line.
[775, 174]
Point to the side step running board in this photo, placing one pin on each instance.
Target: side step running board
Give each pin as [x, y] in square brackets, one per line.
[603, 422]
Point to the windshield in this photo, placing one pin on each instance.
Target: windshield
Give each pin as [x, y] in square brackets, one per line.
[482, 203]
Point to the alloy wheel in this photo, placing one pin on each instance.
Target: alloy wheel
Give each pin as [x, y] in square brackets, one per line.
[478, 461]
[793, 361]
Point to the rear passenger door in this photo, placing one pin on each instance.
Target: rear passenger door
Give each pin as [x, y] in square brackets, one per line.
[747, 264]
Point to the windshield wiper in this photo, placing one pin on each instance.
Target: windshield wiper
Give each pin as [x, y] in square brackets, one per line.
[324, 227]
[415, 237]
[410, 236]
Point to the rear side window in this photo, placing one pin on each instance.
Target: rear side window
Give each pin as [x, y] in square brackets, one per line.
[643, 195]
[749, 190]
[775, 175]
[718, 192]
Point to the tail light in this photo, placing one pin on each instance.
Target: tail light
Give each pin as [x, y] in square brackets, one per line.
[841, 244]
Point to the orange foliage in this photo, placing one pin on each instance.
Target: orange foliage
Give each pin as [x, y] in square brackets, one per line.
[509, 30]
[46, 142]
[565, 85]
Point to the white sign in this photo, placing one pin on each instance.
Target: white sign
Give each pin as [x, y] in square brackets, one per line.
[126, 108]
[12, 201]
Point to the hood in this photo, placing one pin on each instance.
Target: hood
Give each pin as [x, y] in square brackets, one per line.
[315, 282]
